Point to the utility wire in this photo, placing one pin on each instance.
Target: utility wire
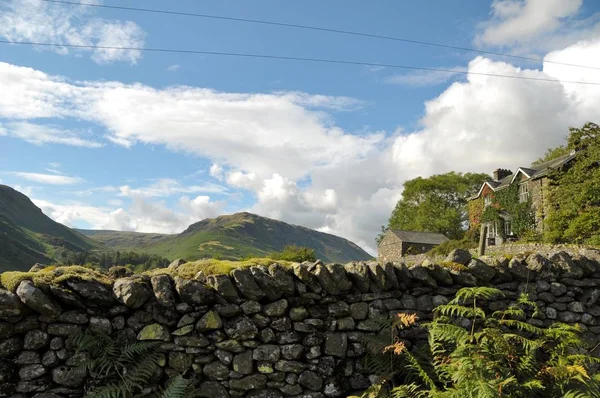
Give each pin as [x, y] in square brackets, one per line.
[321, 29]
[289, 58]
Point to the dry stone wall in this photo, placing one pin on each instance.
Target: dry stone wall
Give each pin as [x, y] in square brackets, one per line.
[269, 331]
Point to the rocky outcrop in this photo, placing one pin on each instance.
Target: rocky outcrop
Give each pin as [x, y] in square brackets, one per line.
[269, 331]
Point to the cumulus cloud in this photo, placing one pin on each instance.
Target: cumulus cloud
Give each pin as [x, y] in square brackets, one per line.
[38, 21]
[168, 187]
[216, 171]
[42, 134]
[285, 149]
[51, 179]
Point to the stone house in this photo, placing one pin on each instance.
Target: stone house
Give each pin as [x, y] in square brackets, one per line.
[533, 184]
[397, 243]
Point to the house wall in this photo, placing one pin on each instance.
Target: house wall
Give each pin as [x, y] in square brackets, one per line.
[416, 248]
[538, 190]
[390, 248]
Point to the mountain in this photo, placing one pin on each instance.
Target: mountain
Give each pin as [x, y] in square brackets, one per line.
[28, 236]
[233, 237]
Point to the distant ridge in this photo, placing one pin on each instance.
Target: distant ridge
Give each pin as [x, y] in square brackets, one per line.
[233, 237]
[28, 236]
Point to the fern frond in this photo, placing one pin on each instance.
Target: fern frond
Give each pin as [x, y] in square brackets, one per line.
[178, 387]
[482, 292]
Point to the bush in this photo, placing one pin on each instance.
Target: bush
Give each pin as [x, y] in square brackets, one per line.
[473, 353]
[295, 254]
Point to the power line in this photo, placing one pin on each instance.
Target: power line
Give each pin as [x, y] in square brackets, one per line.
[288, 58]
[321, 29]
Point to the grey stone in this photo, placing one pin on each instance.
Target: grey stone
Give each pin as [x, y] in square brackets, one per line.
[266, 282]
[65, 377]
[194, 341]
[252, 382]
[95, 292]
[30, 372]
[336, 344]
[133, 292]
[557, 289]
[209, 321]
[464, 278]
[162, 286]
[35, 299]
[333, 388]
[310, 380]
[359, 311]
[440, 274]
[57, 343]
[358, 273]
[459, 256]
[155, 332]
[100, 325]
[251, 307]
[6, 330]
[277, 308]
[231, 346]
[325, 280]
[291, 390]
[216, 371]
[224, 286]
[228, 310]
[569, 317]
[180, 361]
[10, 305]
[339, 309]
[267, 352]
[302, 272]
[49, 359]
[408, 302]
[243, 363]
[264, 393]
[28, 358]
[35, 339]
[77, 317]
[424, 304]
[298, 314]
[345, 324]
[290, 366]
[420, 274]
[564, 263]
[246, 284]
[519, 271]
[267, 335]
[540, 264]
[240, 328]
[438, 300]
[326, 366]
[284, 279]
[176, 263]
[481, 270]
[576, 306]
[339, 277]
[193, 292]
[551, 313]
[212, 389]
[292, 351]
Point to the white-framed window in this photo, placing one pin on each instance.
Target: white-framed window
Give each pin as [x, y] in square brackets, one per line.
[523, 192]
[492, 229]
[507, 228]
[487, 201]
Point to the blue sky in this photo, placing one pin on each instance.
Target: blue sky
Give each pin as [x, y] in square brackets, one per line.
[155, 141]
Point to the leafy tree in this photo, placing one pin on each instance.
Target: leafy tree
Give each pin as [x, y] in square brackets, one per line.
[574, 193]
[436, 204]
[477, 354]
[295, 253]
[381, 234]
[553, 153]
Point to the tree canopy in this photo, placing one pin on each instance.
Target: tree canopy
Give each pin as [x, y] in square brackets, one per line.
[575, 192]
[437, 203]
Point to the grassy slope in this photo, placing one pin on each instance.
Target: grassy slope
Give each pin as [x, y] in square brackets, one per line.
[28, 236]
[233, 237]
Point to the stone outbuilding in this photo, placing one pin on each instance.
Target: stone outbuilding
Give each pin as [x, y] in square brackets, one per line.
[396, 244]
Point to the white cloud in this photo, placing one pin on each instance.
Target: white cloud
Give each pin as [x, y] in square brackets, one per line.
[270, 143]
[52, 179]
[173, 68]
[168, 187]
[70, 213]
[216, 171]
[424, 78]
[41, 134]
[531, 26]
[38, 21]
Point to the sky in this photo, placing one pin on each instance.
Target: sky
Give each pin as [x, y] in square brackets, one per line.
[154, 141]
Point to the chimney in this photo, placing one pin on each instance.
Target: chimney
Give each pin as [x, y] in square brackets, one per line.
[499, 174]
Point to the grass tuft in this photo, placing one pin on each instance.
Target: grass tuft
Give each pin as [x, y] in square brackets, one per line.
[454, 266]
[52, 276]
[213, 267]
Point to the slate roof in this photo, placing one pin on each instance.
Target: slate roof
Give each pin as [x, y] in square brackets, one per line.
[431, 238]
[534, 171]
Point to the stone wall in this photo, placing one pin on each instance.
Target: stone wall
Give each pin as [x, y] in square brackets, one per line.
[268, 331]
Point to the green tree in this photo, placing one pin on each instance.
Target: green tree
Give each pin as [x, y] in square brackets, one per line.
[437, 203]
[295, 253]
[574, 193]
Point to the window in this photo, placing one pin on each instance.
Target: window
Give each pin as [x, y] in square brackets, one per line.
[492, 230]
[523, 192]
[507, 228]
[487, 200]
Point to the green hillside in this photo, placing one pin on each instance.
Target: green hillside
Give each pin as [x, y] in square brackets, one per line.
[233, 237]
[28, 236]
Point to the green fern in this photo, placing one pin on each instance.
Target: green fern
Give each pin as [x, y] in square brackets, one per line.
[125, 368]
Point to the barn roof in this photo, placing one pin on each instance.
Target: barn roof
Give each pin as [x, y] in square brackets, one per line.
[431, 238]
